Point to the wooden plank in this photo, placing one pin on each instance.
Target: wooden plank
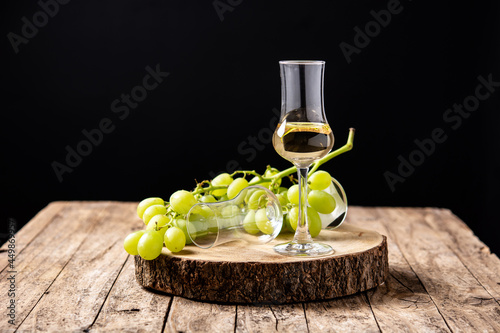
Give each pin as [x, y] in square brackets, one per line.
[74, 299]
[474, 254]
[131, 308]
[192, 316]
[31, 229]
[47, 254]
[345, 314]
[72, 274]
[401, 304]
[270, 318]
[461, 300]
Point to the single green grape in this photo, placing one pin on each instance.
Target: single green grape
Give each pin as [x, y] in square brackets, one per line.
[313, 220]
[212, 226]
[293, 217]
[198, 223]
[150, 245]
[321, 201]
[249, 223]
[144, 204]
[293, 194]
[255, 199]
[287, 228]
[230, 211]
[158, 221]
[183, 225]
[175, 239]
[229, 217]
[208, 198]
[320, 180]
[152, 211]
[224, 179]
[282, 189]
[263, 222]
[130, 242]
[206, 212]
[282, 199]
[182, 201]
[236, 186]
[249, 194]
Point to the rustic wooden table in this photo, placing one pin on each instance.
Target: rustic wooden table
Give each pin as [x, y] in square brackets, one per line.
[72, 274]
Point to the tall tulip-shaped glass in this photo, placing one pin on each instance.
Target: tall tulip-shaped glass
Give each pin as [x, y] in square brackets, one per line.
[302, 136]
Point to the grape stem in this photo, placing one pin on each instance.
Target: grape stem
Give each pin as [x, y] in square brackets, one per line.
[209, 188]
[345, 148]
[274, 178]
[246, 172]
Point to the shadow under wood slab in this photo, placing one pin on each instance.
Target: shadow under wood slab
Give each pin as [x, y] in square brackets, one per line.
[237, 272]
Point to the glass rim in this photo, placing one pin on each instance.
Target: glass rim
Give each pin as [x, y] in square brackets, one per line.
[302, 62]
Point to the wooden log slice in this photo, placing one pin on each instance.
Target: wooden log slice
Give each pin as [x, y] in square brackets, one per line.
[237, 272]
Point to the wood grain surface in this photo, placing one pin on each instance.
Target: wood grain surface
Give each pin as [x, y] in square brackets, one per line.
[72, 274]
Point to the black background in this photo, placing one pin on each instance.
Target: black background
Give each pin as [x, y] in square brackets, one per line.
[222, 87]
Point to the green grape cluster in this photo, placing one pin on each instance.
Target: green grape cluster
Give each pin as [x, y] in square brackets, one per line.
[319, 201]
[165, 221]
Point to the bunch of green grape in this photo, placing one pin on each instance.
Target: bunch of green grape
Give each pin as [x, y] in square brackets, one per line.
[166, 221]
[320, 201]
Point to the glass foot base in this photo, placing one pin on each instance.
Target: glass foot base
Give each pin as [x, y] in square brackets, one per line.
[304, 249]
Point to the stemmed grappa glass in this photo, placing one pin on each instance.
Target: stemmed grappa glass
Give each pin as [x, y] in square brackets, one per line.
[302, 136]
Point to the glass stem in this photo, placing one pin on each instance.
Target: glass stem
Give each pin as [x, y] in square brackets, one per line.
[302, 234]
